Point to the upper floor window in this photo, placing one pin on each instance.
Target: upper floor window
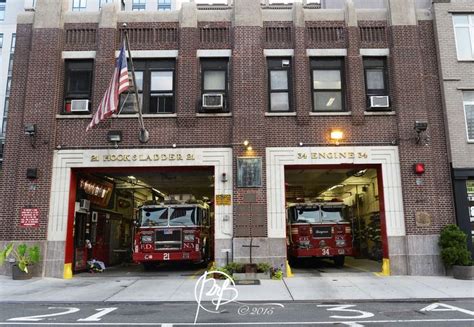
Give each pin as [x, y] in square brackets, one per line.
[468, 97]
[164, 5]
[464, 32]
[279, 78]
[79, 5]
[2, 10]
[1, 40]
[138, 5]
[155, 86]
[328, 82]
[78, 86]
[13, 44]
[103, 2]
[376, 83]
[214, 84]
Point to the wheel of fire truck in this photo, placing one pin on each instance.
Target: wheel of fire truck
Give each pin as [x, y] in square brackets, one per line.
[339, 261]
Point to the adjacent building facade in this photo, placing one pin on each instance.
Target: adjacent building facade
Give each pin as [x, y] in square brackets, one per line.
[212, 77]
[454, 22]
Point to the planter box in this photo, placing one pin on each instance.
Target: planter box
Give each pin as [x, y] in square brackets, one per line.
[463, 272]
[18, 274]
[247, 276]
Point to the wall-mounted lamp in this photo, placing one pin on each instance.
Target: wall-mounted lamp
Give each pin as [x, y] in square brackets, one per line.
[420, 127]
[337, 135]
[247, 145]
[174, 145]
[114, 137]
[30, 130]
[224, 178]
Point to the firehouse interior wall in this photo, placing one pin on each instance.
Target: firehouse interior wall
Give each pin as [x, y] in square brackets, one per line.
[60, 246]
[386, 157]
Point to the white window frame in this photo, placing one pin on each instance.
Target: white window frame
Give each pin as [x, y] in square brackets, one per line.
[138, 5]
[470, 25]
[464, 104]
[103, 2]
[81, 5]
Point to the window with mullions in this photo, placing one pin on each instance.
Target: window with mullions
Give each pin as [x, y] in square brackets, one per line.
[468, 101]
[155, 86]
[376, 77]
[2, 10]
[103, 2]
[79, 5]
[164, 5]
[279, 84]
[214, 84]
[78, 86]
[138, 5]
[328, 81]
[464, 35]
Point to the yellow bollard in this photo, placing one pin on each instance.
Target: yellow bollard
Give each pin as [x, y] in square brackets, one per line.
[288, 270]
[385, 267]
[67, 271]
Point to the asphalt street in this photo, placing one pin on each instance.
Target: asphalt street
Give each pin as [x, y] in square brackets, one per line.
[298, 313]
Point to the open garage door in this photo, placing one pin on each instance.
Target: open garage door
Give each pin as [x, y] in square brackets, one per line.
[147, 221]
[334, 222]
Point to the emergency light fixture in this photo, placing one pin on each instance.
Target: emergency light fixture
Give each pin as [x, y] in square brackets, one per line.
[419, 168]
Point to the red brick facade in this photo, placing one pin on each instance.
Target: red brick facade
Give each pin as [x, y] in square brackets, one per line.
[37, 97]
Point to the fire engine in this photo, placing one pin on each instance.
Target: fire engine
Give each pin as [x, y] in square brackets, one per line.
[172, 231]
[319, 229]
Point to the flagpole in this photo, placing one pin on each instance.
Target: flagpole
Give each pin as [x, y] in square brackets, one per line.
[144, 135]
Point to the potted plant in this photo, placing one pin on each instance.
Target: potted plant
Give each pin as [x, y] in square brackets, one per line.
[24, 257]
[454, 252]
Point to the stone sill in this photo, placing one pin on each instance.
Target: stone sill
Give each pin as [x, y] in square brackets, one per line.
[380, 113]
[339, 113]
[221, 114]
[279, 114]
[73, 116]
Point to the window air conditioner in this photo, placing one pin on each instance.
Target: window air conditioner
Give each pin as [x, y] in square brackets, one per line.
[79, 105]
[84, 204]
[377, 101]
[212, 101]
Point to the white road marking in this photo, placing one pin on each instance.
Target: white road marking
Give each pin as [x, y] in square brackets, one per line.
[401, 321]
[440, 307]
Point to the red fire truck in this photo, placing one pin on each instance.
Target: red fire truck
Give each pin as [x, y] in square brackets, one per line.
[319, 229]
[172, 231]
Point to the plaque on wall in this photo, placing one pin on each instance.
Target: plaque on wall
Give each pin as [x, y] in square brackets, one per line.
[249, 172]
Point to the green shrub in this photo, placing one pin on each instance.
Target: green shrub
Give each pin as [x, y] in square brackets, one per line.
[263, 267]
[453, 243]
[24, 255]
[235, 267]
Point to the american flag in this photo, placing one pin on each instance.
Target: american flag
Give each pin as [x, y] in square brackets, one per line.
[118, 84]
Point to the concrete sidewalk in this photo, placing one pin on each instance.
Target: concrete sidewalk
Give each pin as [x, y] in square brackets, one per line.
[115, 289]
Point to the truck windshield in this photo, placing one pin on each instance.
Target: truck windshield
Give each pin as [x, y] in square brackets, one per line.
[332, 214]
[182, 216]
[307, 215]
[154, 217]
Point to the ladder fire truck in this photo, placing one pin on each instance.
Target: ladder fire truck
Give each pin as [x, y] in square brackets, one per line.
[172, 231]
[318, 229]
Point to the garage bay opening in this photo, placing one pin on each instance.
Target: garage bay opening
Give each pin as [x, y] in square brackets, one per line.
[142, 221]
[334, 219]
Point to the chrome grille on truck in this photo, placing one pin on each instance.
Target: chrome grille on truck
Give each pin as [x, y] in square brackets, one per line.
[167, 239]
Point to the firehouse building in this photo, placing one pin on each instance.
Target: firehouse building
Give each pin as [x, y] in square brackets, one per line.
[249, 108]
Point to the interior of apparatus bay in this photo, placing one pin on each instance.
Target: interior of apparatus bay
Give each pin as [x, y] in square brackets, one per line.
[354, 192]
[113, 205]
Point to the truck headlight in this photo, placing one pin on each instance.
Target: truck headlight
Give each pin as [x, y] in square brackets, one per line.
[340, 243]
[189, 237]
[147, 239]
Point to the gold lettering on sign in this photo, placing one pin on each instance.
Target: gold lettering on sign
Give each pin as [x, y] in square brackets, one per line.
[333, 155]
[302, 156]
[143, 157]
